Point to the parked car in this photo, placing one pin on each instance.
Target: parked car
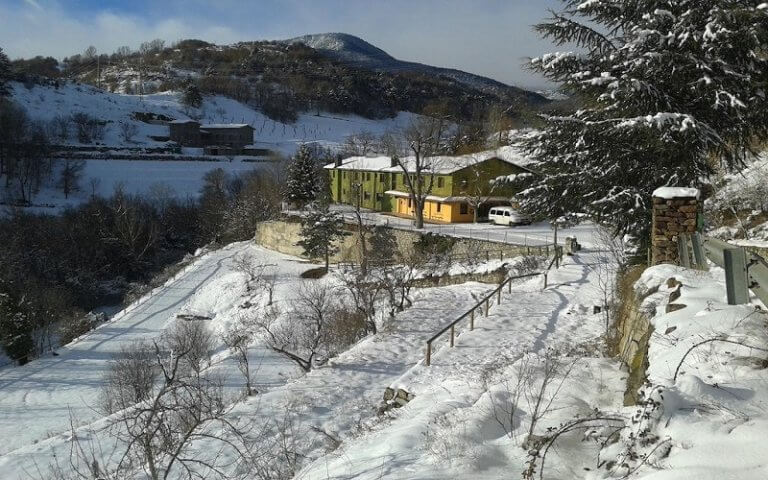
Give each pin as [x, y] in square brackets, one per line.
[507, 216]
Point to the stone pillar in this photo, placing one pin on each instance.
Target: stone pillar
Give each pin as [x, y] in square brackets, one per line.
[675, 211]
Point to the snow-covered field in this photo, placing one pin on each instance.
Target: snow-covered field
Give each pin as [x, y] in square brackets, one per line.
[179, 179]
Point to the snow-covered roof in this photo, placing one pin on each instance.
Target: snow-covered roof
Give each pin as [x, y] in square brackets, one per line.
[435, 198]
[225, 125]
[363, 163]
[440, 164]
[182, 121]
[676, 192]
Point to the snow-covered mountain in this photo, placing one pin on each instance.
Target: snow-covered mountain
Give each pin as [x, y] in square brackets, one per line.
[357, 52]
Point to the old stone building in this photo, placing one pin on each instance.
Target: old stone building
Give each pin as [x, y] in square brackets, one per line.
[218, 138]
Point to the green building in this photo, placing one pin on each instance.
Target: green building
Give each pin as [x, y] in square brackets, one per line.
[460, 184]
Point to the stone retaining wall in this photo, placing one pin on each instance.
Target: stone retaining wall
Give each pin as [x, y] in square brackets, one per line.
[283, 235]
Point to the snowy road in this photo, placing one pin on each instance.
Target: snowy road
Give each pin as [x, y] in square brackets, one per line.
[536, 234]
[36, 400]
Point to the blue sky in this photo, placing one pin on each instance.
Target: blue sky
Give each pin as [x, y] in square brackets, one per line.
[488, 37]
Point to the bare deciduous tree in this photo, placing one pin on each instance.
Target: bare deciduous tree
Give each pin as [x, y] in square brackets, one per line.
[414, 150]
[238, 339]
[70, 175]
[164, 404]
[359, 144]
[128, 130]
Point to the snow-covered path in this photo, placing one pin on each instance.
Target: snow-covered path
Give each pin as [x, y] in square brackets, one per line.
[528, 320]
[37, 400]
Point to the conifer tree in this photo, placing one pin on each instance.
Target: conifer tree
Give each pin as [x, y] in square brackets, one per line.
[303, 183]
[5, 74]
[15, 329]
[320, 231]
[669, 90]
[192, 97]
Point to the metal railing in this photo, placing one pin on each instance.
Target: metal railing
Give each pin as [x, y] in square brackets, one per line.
[744, 270]
[484, 305]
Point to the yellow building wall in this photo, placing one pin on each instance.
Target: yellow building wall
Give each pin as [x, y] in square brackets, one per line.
[448, 212]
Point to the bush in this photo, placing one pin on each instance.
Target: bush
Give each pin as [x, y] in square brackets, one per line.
[314, 273]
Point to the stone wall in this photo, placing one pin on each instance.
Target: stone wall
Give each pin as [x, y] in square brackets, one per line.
[672, 215]
[283, 235]
[633, 329]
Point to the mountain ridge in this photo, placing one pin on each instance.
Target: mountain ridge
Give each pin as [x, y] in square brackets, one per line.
[358, 52]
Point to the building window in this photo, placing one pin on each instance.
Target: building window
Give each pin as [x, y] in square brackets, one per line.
[366, 195]
[438, 206]
[440, 182]
[409, 203]
[463, 209]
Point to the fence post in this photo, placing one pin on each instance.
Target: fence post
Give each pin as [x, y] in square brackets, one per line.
[736, 281]
[682, 250]
[509, 284]
[472, 319]
[452, 334]
[429, 353]
[545, 279]
[487, 301]
[498, 300]
[698, 252]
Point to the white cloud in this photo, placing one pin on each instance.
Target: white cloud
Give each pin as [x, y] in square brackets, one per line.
[33, 4]
[37, 31]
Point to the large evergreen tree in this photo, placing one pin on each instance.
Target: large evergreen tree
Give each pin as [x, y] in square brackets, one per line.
[303, 183]
[320, 230]
[669, 90]
[5, 74]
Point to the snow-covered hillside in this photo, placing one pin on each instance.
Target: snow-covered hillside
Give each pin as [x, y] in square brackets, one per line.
[180, 178]
[45, 103]
[339, 401]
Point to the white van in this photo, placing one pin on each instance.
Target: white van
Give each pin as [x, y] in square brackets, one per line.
[507, 216]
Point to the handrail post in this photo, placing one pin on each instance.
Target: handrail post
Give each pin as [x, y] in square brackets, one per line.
[486, 307]
[498, 299]
[545, 279]
[472, 319]
[736, 277]
[682, 250]
[452, 334]
[429, 353]
[509, 284]
[698, 252]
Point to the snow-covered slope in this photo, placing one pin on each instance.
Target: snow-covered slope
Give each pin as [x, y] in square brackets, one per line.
[707, 359]
[45, 103]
